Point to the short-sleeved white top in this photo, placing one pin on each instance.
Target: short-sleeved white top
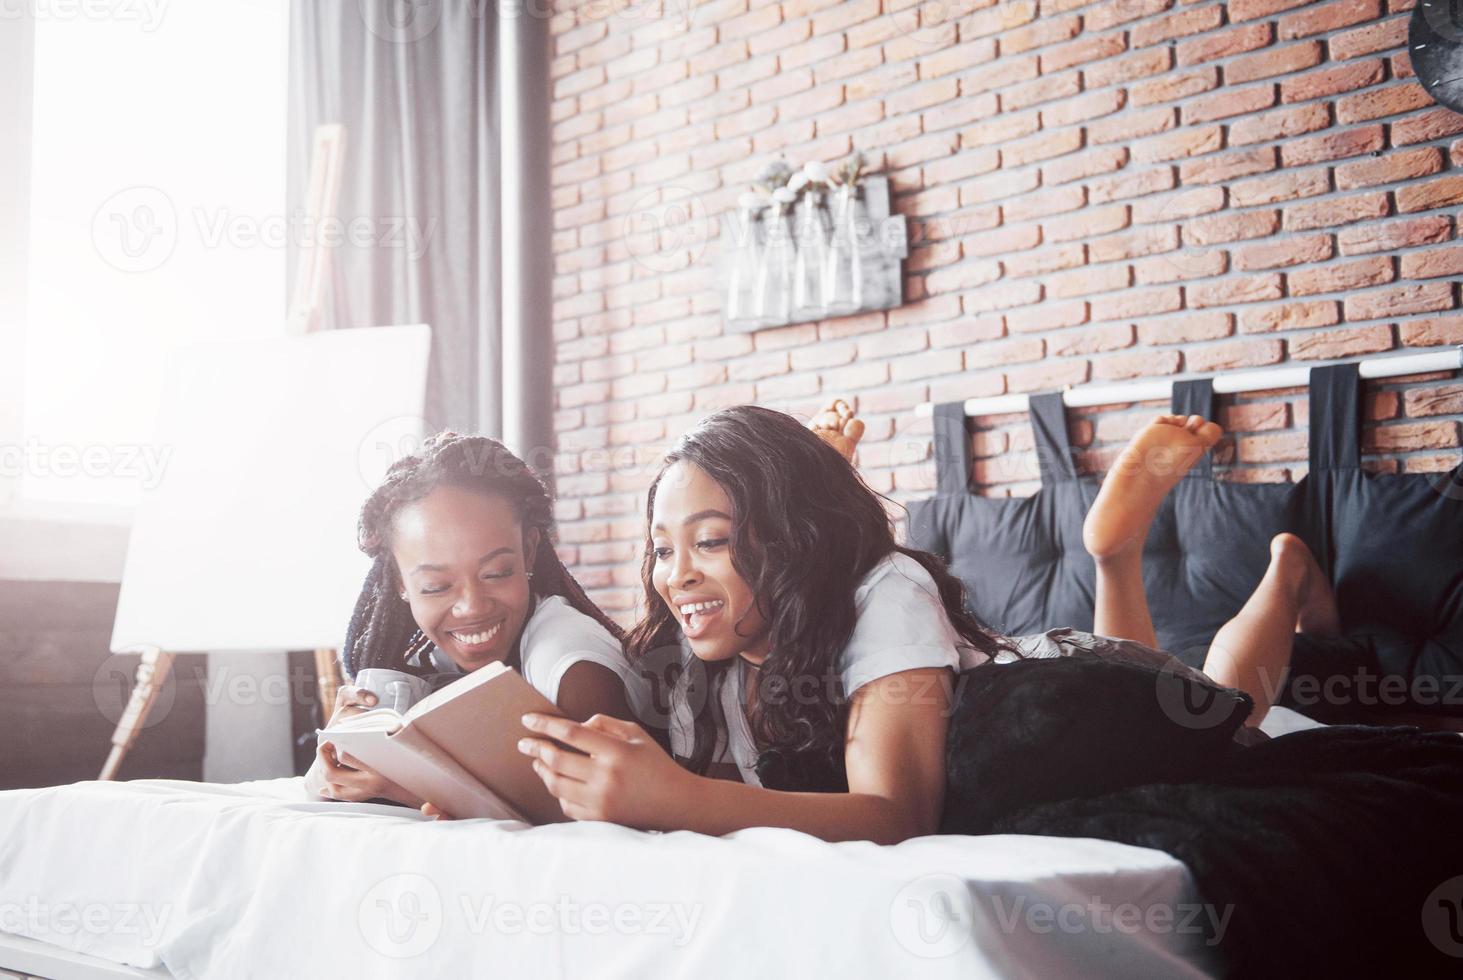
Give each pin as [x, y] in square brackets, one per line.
[901, 625]
[555, 637]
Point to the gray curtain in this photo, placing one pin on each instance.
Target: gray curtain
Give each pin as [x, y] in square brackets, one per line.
[413, 85]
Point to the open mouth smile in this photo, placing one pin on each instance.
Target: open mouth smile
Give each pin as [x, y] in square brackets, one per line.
[697, 615]
[476, 640]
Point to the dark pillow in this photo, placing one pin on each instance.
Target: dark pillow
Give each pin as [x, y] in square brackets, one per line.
[1039, 730]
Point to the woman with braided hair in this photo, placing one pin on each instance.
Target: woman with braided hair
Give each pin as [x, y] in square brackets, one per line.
[464, 574]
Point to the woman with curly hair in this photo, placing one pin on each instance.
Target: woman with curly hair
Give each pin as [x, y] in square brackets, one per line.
[464, 574]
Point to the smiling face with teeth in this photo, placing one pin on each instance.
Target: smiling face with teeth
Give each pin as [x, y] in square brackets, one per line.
[691, 532]
[462, 557]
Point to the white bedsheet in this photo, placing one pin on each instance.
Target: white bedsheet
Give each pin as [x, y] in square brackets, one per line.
[218, 881]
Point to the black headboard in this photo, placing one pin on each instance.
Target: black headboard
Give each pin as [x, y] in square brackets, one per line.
[1391, 544]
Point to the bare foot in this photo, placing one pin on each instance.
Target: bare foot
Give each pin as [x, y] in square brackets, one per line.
[1316, 611]
[1151, 465]
[837, 426]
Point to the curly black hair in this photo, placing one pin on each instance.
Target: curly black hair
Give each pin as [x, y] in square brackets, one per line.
[806, 529]
[382, 632]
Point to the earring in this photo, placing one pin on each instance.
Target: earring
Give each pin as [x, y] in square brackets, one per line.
[529, 575]
[403, 597]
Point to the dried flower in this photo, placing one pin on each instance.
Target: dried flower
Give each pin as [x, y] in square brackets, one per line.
[774, 174]
[851, 169]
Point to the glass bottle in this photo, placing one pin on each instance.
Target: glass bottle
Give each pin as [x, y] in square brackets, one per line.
[774, 276]
[843, 280]
[741, 290]
[808, 302]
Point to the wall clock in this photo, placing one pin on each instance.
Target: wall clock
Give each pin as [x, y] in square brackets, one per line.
[1435, 43]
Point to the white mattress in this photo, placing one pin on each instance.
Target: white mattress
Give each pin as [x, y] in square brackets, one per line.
[248, 880]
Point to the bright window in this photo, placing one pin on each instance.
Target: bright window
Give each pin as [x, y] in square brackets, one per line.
[157, 217]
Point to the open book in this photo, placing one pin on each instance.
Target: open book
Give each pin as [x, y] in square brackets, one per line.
[458, 747]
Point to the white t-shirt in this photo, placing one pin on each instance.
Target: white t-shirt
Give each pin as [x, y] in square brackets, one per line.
[555, 637]
[901, 625]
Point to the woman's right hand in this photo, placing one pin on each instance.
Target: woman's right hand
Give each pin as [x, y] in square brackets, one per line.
[352, 701]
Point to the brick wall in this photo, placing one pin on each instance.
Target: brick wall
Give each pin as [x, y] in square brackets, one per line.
[1096, 192]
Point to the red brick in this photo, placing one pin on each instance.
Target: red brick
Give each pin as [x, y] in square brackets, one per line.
[1423, 297]
[1447, 400]
[963, 276]
[1276, 61]
[1183, 329]
[929, 365]
[1364, 40]
[1336, 211]
[1099, 160]
[1223, 44]
[1230, 102]
[1019, 351]
[1433, 194]
[1131, 183]
[972, 163]
[1286, 186]
[1431, 331]
[1130, 244]
[1233, 354]
[1088, 222]
[1051, 201]
[998, 187]
[1093, 105]
[1231, 227]
[1048, 375]
[1049, 30]
[1139, 64]
[1331, 81]
[1013, 238]
[1131, 125]
[1001, 296]
[1048, 316]
[1296, 250]
[1402, 165]
[1320, 18]
[967, 330]
[1224, 292]
[1042, 261]
[1227, 166]
[1342, 276]
[1114, 12]
[1180, 266]
[1325, 344]
[1426, 127]
[1175, 207]
[1002, 72]
[1139, 364]
[1410, 437]
[1179, 24]
[1242, 10]
[1389, 235]
[1132, 303]
[1279, 124]
[1377, 103]
[1082, 51]
[1114, 336]
[1000, 129]
[1167, 88]
[1273, 447]
[1082, 282]
[1432, 263]
[1179, 144]
[1290, 316]
[1255, 416]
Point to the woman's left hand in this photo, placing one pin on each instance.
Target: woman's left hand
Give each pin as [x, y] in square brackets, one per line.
[624, 776]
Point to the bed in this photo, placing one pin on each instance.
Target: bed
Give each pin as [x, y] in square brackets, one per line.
[162, 878]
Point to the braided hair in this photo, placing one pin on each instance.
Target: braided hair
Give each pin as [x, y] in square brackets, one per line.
[382, 632]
